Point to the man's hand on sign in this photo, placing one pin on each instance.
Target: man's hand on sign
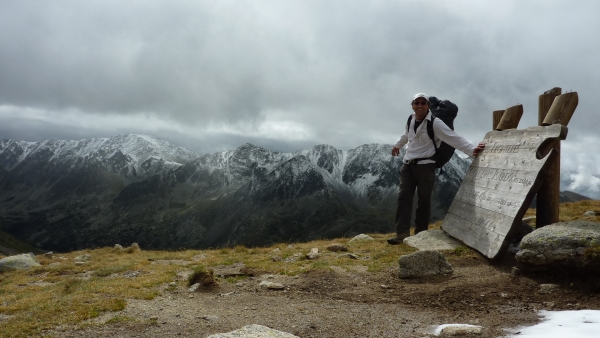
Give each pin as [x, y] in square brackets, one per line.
[395, 151]
[478, 149]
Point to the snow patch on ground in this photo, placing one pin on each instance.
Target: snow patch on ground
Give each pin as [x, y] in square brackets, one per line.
[560, 324]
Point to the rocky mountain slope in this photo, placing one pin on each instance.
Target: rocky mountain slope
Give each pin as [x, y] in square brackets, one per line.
[68, 195]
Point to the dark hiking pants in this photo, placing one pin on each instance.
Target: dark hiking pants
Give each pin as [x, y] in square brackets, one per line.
[419, 177]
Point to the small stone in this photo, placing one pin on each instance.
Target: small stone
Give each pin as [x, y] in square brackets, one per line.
[134, 247]
[548, 288]
[504, 295]
[192, 288]
[461, 329]
[350, 255]
[49, 254]
[271, 285]
[590, 213]
[336, 247]
[361, 237]
[85, 257]
[313, 255]
[118, 247]
[154, 318]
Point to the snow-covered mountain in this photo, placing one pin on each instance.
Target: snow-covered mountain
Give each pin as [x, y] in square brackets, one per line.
[66, 195]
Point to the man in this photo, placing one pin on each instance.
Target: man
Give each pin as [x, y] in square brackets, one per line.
[418, 170]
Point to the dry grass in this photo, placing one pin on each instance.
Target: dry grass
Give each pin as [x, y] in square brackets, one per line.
[68, 293]
[573, 211]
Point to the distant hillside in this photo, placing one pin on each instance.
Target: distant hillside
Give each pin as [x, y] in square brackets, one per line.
[12, 246]
[69, 195]
[569, 196]
[565, 196]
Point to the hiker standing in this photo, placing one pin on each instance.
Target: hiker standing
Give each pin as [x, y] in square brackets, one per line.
[418, 169]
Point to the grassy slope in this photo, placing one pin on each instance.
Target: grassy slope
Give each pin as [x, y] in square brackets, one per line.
[63, 292]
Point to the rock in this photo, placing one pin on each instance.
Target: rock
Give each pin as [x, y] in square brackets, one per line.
[49, 254]
[459, 329]
[134, 247]
[271, 285]
[432, 240]
[254, 331]
[562, 244]
[293, 257]
[349, 255]
[194, 287]
[313, 254]
[591, 213]
[423, 263]
[118, 247]
[233, 270]
[131, 274]
[18, 262]
[336, 247]
[548, 288]
[199, 257]
[210, 318]
[523, 230]
[85, 257]
[361, 237]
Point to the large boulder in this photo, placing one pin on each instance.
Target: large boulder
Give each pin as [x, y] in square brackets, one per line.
[432, 240]
[575, 244]
[18, 262]
[423, 263]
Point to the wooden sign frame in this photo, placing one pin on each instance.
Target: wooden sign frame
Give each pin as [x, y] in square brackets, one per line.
[499, 187]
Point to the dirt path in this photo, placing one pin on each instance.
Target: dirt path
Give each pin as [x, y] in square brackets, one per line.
[342, 303]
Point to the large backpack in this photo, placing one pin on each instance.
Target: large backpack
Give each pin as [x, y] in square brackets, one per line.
[445, 111]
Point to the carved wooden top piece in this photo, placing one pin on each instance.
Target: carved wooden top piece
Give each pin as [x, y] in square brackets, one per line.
[499, 186]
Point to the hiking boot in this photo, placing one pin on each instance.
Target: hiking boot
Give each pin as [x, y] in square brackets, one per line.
[398, 239]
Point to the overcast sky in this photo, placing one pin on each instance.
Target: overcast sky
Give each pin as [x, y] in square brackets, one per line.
[288, 75]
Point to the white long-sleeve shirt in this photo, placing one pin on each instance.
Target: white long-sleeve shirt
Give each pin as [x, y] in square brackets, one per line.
[421, 146]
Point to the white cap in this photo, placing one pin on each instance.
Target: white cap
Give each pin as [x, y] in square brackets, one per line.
[423, 95]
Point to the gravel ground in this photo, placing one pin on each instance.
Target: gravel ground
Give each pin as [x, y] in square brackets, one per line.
[351, 303]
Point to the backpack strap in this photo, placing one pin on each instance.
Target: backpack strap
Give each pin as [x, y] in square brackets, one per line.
[430, 132]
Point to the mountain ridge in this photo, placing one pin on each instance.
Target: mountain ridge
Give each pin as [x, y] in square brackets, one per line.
[67, 195]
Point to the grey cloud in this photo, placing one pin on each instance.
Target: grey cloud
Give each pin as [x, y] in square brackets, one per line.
[346, 70]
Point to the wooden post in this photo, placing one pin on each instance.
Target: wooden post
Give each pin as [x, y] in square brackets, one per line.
[562, 109]
[545, 101]
[511, 117]
[548, 196]
[496, 116]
